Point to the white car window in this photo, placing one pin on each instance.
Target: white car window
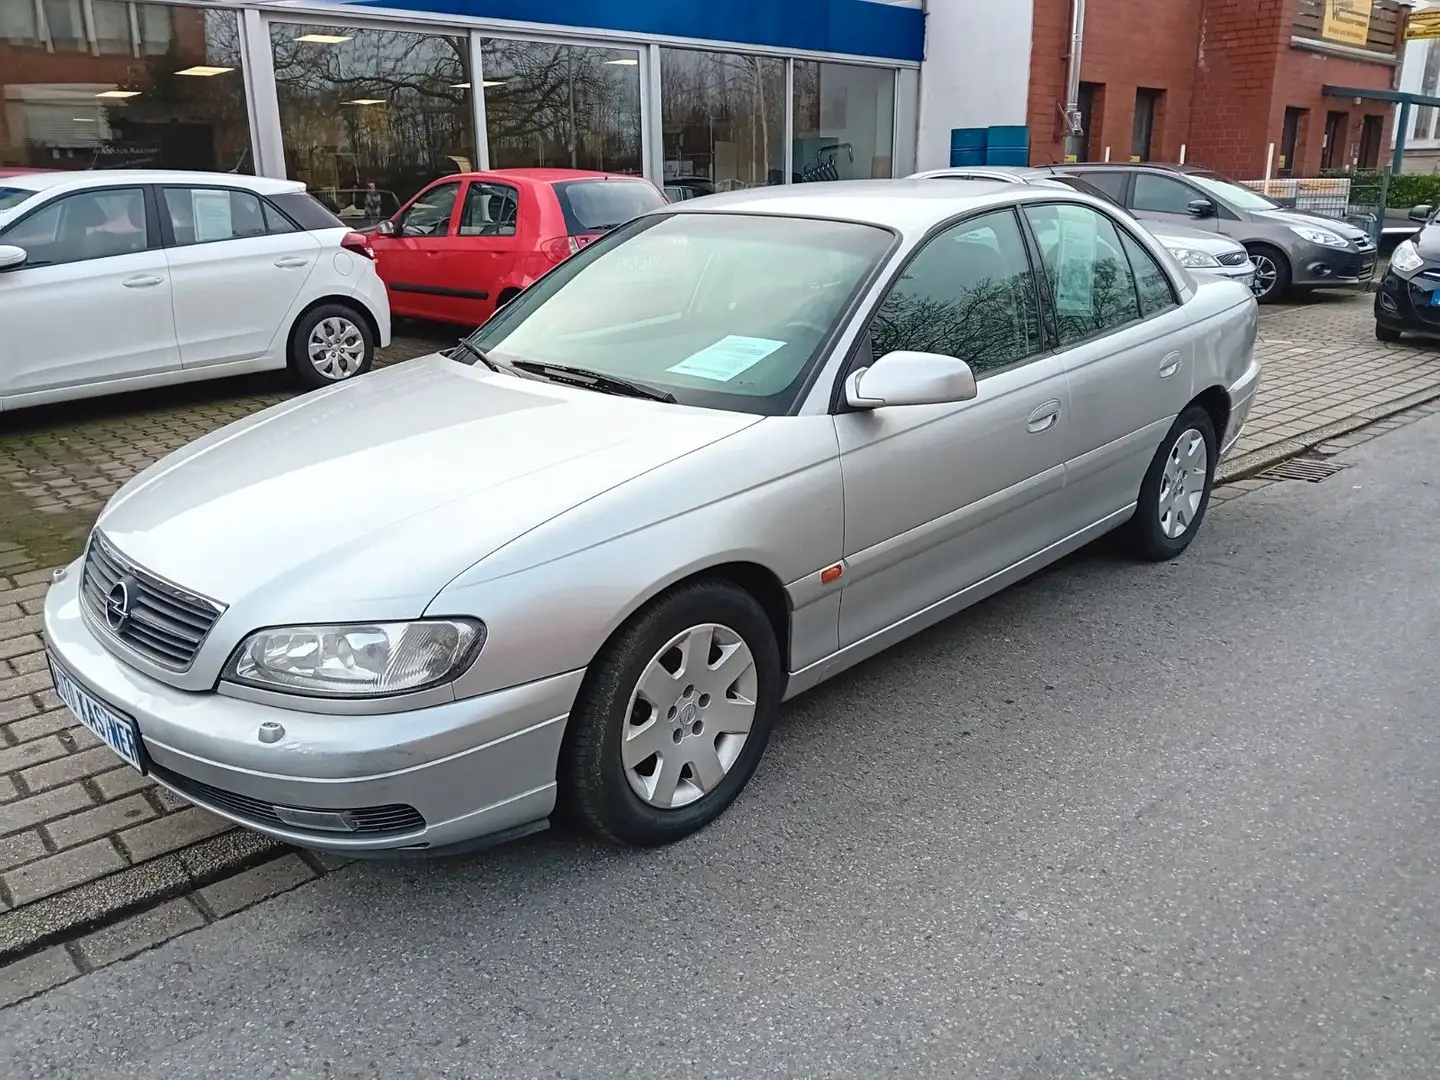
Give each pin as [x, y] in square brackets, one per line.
[86, 225]
[206, 215]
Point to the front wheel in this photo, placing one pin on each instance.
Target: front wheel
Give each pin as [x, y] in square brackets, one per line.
[1272, 273]
[1176, 488]
[673, 716]
[329, 344]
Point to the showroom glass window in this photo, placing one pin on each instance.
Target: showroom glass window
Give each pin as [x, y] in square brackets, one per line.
[113, 84]
[371, 116]
[844, 121]
[723, 115]
[561, 106]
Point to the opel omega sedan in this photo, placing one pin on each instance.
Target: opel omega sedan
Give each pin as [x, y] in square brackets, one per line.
[715, 458]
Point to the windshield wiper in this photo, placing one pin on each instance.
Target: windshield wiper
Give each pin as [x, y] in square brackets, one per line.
[476, 352]
[594, 380]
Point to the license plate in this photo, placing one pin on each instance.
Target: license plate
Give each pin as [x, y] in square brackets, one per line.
[110, 727]
[1435, 298]
[1248, 280]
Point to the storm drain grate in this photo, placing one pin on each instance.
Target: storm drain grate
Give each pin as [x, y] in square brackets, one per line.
[1311, 470]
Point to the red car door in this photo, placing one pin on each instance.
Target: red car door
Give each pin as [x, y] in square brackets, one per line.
[410, 256]
[491, 236]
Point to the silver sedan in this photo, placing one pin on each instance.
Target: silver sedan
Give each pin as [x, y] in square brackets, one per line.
[719, 456]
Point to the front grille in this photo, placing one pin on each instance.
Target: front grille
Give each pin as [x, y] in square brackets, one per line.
[165, 624]
[1359, 266]
[1420, 302]
[1233, 258]
[369, 820]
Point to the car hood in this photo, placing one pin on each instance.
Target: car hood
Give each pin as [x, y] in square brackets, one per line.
[1307, 218]
[1427, 243]
[1212, 243]
[363, 500]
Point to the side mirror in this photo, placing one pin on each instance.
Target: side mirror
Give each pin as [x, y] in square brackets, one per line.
[12, 258]
[385, 228]
[1421, 212]
[910, 378]
[1201, 208]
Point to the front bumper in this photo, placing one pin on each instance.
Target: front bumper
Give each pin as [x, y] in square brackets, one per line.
[1407, 303]
[430, 779]
[1242, 397]
[1244, 273]
[1315, 266]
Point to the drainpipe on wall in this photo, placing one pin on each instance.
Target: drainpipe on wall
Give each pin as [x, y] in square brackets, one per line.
[1073, 141]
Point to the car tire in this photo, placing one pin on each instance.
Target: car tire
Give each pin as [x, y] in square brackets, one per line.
[1165, 522]
[329, 344]
[654, 749]
[1385, 333]
[1272, 273]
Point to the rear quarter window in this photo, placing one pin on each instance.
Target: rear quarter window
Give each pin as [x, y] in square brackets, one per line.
[12, 196]
[592, 206]
[306, 211]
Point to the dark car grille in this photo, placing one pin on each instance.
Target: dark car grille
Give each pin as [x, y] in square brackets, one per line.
[1420, 301]
[1233, 258]
[1359, 266]
[370, 820]
[166, 624]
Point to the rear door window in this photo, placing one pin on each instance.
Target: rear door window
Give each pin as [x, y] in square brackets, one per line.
[490, 210]
[596, 206]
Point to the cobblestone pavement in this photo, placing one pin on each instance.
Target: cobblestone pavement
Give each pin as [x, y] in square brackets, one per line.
[97, 864]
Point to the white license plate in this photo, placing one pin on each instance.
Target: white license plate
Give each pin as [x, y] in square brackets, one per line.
[116, 731]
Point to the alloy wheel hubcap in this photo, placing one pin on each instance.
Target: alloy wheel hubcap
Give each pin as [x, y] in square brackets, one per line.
[690, 716]
[337, 348]
[1265, 275]
[1182, 484]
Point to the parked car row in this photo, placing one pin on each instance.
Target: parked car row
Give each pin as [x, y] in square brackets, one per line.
[706, 462]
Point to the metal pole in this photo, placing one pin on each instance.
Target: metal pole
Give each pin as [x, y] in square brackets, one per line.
[1074, 141]
[1402, 126]
[1377, 227]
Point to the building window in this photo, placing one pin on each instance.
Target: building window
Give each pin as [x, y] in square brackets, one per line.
[361, 107]
[844, 121]
[1429, 83]
[723, 117]
[562, 106]
[182, 106]
[1337, 126]
[1142, 130]
[1289, 141]
[20, 23]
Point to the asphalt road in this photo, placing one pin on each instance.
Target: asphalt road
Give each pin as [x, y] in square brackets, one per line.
[1128, 821]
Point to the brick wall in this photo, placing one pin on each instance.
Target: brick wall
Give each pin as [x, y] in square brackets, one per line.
[1227, 70]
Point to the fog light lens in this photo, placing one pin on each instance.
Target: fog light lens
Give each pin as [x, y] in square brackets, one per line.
[327, 820]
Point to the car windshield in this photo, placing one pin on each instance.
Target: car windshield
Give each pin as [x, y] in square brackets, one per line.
[592, 206]
[13, 196]
[1238, 196]
[724, 311]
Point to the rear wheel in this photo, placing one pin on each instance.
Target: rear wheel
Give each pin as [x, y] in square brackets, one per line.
[1176, 488]
[1384, 333]
[1272, 273]
[673, 716]
[330, 343]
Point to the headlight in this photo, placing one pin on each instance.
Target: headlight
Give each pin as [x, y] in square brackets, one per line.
[356, 660]
[1405, 258]
[1195, 260]
[1320, 236]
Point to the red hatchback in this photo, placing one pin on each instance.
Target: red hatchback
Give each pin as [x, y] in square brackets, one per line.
[468, 243]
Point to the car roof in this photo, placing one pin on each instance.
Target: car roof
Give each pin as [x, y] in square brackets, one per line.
[83, 178]
[908, 206]
[1155, 166]
[550, 176]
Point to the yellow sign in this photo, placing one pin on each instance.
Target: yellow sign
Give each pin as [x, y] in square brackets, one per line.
[1347, 21]
[1421, 25]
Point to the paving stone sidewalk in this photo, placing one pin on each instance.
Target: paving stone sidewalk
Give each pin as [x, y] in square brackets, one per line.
[96, 863]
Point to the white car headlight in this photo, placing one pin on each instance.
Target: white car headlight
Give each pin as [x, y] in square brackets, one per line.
[1323, 237]
[1405, 258]
[357, 659]
[1194, 260]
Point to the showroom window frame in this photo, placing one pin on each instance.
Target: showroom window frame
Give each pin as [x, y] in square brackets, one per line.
[267, 140]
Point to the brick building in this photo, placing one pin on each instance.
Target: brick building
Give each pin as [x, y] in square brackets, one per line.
[1222, 78]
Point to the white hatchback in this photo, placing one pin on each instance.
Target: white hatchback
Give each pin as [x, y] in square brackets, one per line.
[114, 281]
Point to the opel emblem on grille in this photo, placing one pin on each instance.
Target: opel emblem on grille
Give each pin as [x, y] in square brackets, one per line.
[117, 605]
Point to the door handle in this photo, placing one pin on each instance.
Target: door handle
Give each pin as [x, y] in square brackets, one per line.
[291, 262]
[1043, 418]
[1170, 365]
[141, 282]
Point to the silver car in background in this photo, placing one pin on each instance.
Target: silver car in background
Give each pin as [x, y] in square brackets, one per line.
[719, 456]
[1194, 249]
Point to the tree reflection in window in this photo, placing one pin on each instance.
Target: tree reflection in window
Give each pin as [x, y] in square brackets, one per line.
[969, 293]
[1091, 286]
